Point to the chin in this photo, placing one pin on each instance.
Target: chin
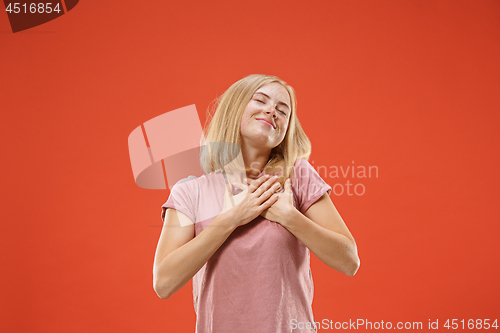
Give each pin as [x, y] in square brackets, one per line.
[260, 142]
[258, 138]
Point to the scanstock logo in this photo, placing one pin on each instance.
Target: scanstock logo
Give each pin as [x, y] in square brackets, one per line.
[26, 15]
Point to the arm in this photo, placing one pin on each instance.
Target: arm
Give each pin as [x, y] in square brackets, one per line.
[324, 232]
[321, 229]
[179, 255]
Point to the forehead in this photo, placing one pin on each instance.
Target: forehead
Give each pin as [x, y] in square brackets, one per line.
[276, 91]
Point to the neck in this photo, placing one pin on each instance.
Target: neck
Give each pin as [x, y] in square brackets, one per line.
[255, 159]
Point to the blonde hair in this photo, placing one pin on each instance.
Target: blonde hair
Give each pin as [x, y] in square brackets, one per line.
[222, 132]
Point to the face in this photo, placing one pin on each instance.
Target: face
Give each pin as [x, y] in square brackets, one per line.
[266, 117]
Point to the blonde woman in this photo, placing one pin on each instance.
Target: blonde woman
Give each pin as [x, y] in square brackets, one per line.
[244, 238]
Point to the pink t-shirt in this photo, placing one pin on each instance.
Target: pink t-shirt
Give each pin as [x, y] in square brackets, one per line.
[260, 279]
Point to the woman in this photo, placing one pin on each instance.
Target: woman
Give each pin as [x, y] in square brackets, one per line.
[248, 253]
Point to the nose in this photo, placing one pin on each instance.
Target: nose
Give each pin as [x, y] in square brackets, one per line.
[272, 110]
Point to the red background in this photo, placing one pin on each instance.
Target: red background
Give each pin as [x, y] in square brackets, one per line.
[411, 87]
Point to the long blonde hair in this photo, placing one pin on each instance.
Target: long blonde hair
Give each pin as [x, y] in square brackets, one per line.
[222, 131]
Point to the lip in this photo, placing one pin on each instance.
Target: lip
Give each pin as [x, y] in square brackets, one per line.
[267, 122]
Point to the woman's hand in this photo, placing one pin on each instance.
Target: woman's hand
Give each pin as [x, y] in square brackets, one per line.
[255, 198]
[282, 208]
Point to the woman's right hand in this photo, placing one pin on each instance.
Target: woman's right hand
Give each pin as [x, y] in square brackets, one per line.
[258, 196]
[180, 255]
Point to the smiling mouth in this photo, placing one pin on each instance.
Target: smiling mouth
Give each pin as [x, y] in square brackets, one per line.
[266, 122]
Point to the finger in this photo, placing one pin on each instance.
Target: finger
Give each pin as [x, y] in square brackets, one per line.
[268, 193]
[229, 193]
[266, 185]
[271, 201]
[257, 182]
[241, 186]
[288, 186]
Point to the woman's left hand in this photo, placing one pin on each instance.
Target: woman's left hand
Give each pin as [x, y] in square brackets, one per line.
[282, 208]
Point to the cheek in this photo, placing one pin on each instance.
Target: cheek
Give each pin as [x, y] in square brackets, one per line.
[246, 117]
[245, 123]
[284, 126]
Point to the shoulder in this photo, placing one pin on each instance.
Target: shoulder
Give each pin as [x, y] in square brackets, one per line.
[186, 182]
[307, 184]
[185, 189]
[302, 163]
[302, 169]
[193, 185]
[189, 193]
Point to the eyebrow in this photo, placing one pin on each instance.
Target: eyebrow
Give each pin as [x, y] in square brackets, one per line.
[279, 102]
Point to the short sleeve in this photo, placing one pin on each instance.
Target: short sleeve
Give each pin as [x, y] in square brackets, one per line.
[184, 197]
[307, 185]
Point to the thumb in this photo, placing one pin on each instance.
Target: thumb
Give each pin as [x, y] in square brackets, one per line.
[241, 186]
[288, 186]
[228, 195]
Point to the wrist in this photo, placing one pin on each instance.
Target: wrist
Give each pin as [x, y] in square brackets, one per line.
[228, 220]
[289, 216]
